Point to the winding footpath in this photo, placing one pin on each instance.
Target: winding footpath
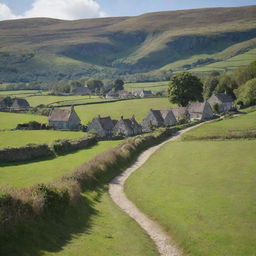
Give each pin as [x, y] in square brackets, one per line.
[163, 242]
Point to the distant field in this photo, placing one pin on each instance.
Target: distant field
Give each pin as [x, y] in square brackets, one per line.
[138, 107]
[153, 86]
[234, 126]
[10, 120]
[27, 174]
[203, 194]
[20, 92]
[21, 138]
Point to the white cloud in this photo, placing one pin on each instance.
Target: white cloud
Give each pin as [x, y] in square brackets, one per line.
[6, 13]
[59, 9]
[65, 9]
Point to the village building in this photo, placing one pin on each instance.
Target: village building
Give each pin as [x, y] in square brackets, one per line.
[20, 105]
[127, 127]
[200, 111]
[143, 94]
[2, 104]
[103, 126]
[168, 117]
[112, 95]
[64, 119]
[153, 119]
[224, 101]
[181, 114]
[81, 91]
[125, 95]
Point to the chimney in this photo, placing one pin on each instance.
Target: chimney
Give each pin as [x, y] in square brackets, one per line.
[122, 117]
[72, 108]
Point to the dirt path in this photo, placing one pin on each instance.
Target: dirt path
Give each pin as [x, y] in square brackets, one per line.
[163, 242]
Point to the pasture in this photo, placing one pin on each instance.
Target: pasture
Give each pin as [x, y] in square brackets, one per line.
[10, 120]
[9, 138]
[203, 194]
[42, 171]
[138, 107]
[153, 86]
[240, 125]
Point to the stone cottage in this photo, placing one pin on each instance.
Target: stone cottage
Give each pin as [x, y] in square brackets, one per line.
[127, 127]
[125, 95]
[168, 117]
[112, 95]
[224, 101]
[200, 111]
[103, 126]
[143, 94]
[64, 119]
[20, 104]
[181, 114]
[2, 104]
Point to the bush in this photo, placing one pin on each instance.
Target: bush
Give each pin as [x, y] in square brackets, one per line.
[247, 93]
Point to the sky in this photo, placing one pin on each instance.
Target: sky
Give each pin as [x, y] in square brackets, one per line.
[81, 9]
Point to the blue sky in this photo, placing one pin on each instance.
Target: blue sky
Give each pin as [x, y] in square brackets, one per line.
[75, 9]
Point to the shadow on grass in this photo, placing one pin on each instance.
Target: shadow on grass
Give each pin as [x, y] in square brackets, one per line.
[50, 234]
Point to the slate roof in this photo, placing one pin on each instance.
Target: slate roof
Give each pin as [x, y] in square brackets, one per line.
[20, 103]
[223, 97]
[60, 115]
[179, 111]
[164, 113]
[2, 103]
[196, 107]
[106, 122]
[158, 115]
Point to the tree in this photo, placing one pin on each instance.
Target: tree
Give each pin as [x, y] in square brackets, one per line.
[118, 85]
[247, 93]
[94, 85]
[185, 87]
[227, 84]
[210, 84]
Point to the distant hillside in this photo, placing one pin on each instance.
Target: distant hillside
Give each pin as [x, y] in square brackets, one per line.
[50, 49]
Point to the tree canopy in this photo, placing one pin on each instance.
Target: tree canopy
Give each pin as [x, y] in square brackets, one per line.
[118, 85]
[185, 87]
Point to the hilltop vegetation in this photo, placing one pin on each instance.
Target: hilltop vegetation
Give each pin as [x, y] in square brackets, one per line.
[48, 49]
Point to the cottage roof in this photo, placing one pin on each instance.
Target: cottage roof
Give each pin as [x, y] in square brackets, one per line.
[223, 97]
[22, 103]
[2, 102]
[158, 115]
[179, 111]
[60, 114]
[106, 123]
[164, 113]
[196, 107]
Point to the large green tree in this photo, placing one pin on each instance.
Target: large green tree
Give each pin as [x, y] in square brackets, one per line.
[185, 87]
[118, 85]
[94, 85]
[247, 93]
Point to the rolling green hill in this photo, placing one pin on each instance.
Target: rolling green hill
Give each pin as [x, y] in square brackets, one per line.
[49, 49]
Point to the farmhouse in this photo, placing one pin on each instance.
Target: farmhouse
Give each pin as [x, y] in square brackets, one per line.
[64, 119]
[103, 126]
[125, 95]
[143, 94]
[81, 91]
[181, 114]
[112, 95]
[200, 111]
[224, 101]
[127, 127]
[2, 103]
[168, 117]
[20, 104]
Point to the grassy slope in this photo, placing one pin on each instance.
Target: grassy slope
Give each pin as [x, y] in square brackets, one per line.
[127, 108]
[203, 198]
[147, 42]
[10, 120]
[41, 171]
[9, 138]
[236, 126]
[153, 86]
[95, 226]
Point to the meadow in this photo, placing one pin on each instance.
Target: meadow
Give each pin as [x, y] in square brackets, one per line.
[46, 170]
[239, 125]
[153, 86]
[138, 107]
[10, 120]
[202, 193]
[9, 138]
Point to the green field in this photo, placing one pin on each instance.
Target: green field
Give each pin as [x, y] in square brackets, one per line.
[235, 126]
[21, 138]
[10, 120]
[27, 174]
[153, 86]
[127, 108]
[203, 194]
[20, 93]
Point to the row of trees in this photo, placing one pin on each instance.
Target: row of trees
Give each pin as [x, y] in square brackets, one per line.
[95, 85]
[240, 84]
